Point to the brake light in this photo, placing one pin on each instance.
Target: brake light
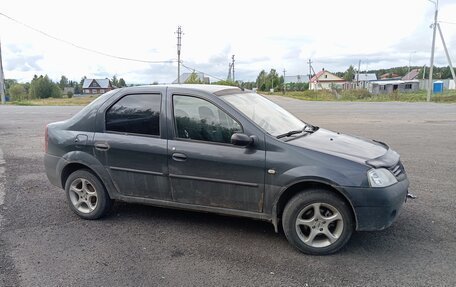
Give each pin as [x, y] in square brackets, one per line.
[46, 139]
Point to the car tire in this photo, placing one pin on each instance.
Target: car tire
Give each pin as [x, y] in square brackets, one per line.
[317, 222]
[87, 195]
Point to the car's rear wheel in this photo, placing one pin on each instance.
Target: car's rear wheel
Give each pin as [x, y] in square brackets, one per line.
[87, 195]
[317, 222]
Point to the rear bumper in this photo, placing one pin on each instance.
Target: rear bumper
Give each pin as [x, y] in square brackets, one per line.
[50, 164]
[377, 208]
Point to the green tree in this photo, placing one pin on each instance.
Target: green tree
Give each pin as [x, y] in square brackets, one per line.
[122, 83]
[193, 79]
[17, 92]
[273, 80]
[225, 83]
[81, 82]
[42, 87]
[261, 80]
[63, 82]
[115, 81]
[349, 74]
[8, 84]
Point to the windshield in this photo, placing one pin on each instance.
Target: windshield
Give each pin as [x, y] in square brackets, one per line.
[271, 117]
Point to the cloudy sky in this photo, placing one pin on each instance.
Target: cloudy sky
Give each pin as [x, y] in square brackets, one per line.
[262, 35]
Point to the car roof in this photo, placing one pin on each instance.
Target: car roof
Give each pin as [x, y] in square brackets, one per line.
[213, 89]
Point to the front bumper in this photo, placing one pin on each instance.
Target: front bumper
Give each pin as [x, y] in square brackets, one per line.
[377, 208]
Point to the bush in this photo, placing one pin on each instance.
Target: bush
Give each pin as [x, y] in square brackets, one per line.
[17, 92]
[42, 87]
[69, 94]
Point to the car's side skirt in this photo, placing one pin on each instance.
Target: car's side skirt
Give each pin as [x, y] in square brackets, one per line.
[194, 207]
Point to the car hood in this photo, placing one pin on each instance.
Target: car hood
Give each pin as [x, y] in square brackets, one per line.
[353, 148]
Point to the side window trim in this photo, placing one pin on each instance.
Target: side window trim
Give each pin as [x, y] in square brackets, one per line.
[175, 132]
[105, 130]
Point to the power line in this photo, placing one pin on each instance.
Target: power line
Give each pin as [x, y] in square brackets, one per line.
[193, 69]
[85, 48]
[447, 22]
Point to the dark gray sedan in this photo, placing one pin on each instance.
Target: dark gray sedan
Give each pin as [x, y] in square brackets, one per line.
[224, 150]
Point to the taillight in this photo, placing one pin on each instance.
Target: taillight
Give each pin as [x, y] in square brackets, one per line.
[46, 139]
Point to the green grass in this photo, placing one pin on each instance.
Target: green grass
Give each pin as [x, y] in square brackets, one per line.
[365, 96]
[75, 101]
[308, 95]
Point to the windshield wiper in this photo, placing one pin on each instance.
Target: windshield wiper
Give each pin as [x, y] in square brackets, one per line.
[307, 129]
[290, 133]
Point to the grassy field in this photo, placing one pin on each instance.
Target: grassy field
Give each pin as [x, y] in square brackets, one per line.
[75, 101]
[365, 96]
[348, 95]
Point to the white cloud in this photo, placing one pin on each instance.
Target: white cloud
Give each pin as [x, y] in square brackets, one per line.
[262, 35]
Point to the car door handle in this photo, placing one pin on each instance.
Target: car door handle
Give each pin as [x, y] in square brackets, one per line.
[179, 156]
[102, 146]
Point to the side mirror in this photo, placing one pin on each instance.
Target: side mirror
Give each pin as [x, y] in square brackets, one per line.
[241, 139]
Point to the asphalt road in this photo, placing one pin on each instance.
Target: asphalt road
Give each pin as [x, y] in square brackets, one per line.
[42, 243]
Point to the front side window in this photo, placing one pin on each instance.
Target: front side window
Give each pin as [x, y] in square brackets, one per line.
[136, 114]
[198, 119]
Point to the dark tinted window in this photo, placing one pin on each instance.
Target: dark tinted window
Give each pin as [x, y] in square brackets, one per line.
[198, 119]
[138, 114]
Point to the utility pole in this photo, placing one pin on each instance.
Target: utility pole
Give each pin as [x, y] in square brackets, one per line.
[284, 83]
[357, 74]
[2, 77]
[446, 53]
[179, 45]
[228, 78]
[310, 69]
[232, 67]
[429, 91]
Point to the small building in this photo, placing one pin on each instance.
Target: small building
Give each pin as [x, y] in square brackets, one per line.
[96, 86]
[412, 75]
[67, 90]
[325, 80]
[362, 80]
[297, 79]
[390, 76]
[297, 82]
[389, 86]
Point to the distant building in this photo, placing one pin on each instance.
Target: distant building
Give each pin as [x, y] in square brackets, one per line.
[185, 76]
[391, 76]
[67, 90]
[389, 86]
[364, 79]
[96, 86]
[297, 79]
[325, 80]
[412, 75]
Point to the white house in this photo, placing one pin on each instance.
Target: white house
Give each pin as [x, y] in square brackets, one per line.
[325, 80]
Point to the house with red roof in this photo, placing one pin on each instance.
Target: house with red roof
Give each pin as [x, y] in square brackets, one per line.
[325, 80]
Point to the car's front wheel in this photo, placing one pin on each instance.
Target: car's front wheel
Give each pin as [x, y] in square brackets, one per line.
[317, 222]
[87, 195]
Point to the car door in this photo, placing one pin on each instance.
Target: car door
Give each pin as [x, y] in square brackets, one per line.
[204, 167]
[132, 147]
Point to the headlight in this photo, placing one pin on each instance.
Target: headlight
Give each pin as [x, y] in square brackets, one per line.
[380, 177]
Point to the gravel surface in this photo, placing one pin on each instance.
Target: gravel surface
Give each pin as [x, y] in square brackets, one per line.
[42, 243]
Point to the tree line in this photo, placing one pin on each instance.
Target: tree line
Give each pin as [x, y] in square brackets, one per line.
[437, 73]
[41, 87]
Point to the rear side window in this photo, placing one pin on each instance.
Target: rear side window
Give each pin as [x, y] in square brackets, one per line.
[136, 114]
